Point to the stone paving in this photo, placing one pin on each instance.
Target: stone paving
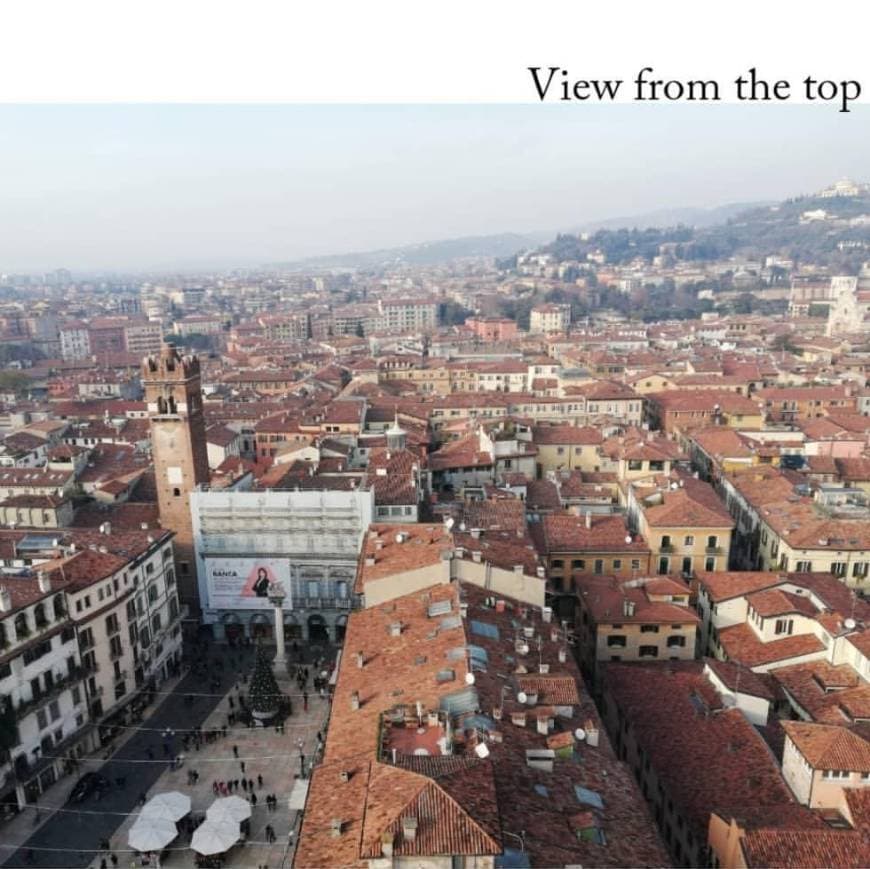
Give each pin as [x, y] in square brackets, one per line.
[265, 752]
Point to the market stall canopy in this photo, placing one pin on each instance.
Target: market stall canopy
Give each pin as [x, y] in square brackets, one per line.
[229, 809]
[173, 806]
[212, 837]
[151, 834]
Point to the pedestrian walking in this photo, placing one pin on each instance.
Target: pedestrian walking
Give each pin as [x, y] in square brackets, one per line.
[251, 785]
[259, 781]
[104, 864]
[304, 701]
[236, 752]
[236, 784]
[215, 787]
[114, 859]
[242, 765]
[253, 799]
[232, 704]
[245, 785]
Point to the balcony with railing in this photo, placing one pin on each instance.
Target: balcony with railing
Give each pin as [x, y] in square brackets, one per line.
[326, 603]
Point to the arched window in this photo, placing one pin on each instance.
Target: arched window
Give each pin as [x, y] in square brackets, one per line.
[59, 608]
[39, 616]
[22, 629]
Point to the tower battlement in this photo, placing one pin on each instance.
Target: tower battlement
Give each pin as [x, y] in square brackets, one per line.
[169, 365]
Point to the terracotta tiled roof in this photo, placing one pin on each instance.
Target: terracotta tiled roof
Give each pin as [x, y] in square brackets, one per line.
[725, 585]
[775, 602]
[829, 747]
[805, 849]
[444, 825]
[552, 690]
[740, 679]
[604, 597]
[704, 761]
[741, 644]
[566, 435]
[566, 532]
[695, 505]
[422, 544]
[824, 691]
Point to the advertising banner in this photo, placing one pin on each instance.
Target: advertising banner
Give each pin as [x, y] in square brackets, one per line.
[243, 583]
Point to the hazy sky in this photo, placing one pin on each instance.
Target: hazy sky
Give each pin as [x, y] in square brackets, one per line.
[141, 187]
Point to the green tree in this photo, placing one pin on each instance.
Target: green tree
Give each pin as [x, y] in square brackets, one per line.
[14, 381]
[454, 314]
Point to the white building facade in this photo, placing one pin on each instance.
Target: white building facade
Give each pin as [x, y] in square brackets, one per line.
[307, 540]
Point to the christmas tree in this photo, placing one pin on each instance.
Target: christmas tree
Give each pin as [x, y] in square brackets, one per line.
[264, 695]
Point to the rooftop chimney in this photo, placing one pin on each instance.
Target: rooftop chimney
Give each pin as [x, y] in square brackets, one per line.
[336, 827]
[591, 729]
[396, 629]
[5, 600]
[360, 660]
[44, 580]
[588, 519]
[354, 701]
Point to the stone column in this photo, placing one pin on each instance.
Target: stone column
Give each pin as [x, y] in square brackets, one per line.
[276, 598]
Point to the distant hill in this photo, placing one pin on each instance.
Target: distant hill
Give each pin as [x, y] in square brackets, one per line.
[664, 217]
[427, 253]
[829, 237]
[748, 228]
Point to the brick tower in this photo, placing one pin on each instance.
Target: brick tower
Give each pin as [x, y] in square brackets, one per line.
[174, 398]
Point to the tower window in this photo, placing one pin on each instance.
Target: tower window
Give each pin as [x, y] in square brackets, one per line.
[176, 492]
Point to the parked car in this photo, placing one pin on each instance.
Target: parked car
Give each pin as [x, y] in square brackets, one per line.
[88, 784]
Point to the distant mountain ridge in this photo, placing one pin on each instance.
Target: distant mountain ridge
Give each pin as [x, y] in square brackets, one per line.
[507, 244]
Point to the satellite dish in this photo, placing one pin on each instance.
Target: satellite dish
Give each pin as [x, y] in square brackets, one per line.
[628, 538]
[580, 734]
[481, 750]
[469, 678]
[522, 697]
[674, 486]
[462, 526]
[850, 624]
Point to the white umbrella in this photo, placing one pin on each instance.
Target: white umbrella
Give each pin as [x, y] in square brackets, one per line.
[172, 805]
[212, 837]
[151, 834]
[229, 809]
